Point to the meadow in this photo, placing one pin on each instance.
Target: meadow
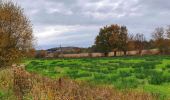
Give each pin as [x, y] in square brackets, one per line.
[141, 73]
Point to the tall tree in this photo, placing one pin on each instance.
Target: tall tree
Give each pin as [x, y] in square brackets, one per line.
[131, 42]
[159, 37]
[139, 42]
[16, 36]
[107, 39]
[123, 39]
[158, 33]
[168, 32]
[168, 39]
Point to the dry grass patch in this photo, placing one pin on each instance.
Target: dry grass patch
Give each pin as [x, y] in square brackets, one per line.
[6, 84]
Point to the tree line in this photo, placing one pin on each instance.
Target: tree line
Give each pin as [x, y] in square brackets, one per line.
[115, 38]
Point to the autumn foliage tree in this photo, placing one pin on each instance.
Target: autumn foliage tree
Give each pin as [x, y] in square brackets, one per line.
[16, 36]
[111, 38]
[115, 38]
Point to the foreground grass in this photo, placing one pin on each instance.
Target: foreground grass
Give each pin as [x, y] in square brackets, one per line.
[18, 84]
[148, 73]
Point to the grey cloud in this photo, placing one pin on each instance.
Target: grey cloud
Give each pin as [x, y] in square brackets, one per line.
[138, 15]
[156, 4]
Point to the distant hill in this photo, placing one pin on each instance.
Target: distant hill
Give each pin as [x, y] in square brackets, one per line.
[68, 49]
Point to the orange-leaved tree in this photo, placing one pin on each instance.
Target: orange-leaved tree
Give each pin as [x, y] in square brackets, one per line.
[16, 36]
[112, 38]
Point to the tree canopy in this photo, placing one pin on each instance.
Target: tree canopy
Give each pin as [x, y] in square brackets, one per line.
[112, 38]
[16, 36]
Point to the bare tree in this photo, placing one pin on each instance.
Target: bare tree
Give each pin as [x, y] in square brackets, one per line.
[168, 32]
[167, 41]
[139, 40]
[123, 39]
[16, 36]
[159, 37]
[131, 42]
[158, 33]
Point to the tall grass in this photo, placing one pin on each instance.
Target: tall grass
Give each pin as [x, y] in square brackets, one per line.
[6, 85]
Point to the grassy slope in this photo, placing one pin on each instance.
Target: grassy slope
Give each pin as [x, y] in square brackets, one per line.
[148, 73]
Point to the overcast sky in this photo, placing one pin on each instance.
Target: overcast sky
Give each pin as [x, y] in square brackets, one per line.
[77, 22]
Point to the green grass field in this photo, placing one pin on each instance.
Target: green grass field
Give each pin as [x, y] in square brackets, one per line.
[147, 73]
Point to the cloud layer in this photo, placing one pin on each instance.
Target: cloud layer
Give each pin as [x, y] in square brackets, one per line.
[77, 22]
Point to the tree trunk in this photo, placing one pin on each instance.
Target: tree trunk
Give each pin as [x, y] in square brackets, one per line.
[125, 53]
[114, 53]
[140, 52]
[106, 54]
